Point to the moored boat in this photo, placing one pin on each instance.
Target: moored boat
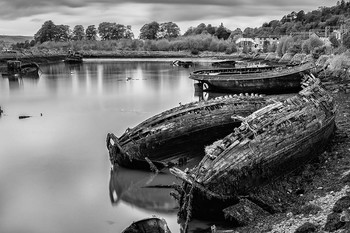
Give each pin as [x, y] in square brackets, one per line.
[267, 79]
[270, 142]
[73, 57]
[185, 64]
[225, 63]
[15, 67]
[180, 131]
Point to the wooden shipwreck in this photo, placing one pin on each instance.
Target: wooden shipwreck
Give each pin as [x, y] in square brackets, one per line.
[266, 79]
[182, 130]
[15, 68]
[269, 143]
[73, 58]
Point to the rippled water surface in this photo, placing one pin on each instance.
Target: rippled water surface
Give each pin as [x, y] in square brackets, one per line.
[55, 174]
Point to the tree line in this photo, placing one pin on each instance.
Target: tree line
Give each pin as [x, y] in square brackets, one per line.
[113, 31]
[167, 35]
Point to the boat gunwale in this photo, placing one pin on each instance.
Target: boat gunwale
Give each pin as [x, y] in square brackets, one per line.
[270, 74]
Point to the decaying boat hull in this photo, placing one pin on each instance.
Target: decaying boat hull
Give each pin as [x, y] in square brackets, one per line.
[168, 136]
[270, 142]
[284, 84]
[270, 80]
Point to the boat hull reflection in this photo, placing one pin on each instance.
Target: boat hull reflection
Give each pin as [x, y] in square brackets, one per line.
[141, 189]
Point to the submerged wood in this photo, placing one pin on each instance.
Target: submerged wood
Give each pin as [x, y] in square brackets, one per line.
[270, 142]
[180, 130]
[148, 225]
[268, 79]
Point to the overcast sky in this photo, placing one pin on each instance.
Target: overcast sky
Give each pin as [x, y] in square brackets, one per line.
[25, 17]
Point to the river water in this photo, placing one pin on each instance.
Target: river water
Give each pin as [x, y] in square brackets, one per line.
[55, 174]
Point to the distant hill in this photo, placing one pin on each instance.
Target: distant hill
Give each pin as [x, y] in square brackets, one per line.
[9, 40]
[322, 21]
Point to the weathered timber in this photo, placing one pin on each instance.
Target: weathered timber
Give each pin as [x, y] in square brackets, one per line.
[268, 79]
[148, 225]
[166, 137]
[270, 142]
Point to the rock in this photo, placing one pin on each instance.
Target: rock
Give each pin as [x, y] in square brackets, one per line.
[306, 228]
[342, 204]
[334, 222]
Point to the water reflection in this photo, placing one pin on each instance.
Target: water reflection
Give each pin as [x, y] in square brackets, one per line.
[62, 156]
[141, 189]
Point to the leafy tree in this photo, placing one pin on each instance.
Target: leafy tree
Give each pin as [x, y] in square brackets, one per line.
[189, 32]
[200, 28]
[105, 30]
[222, 32]
[248, 32]
[149, 31]
[346, 40]
[314, 42]
[235, 34]
[78, 32]
[333, 39]
[284, 44]
[47, 32]
[210, 29]
[300, 16]
[113, 31]
[91, 32]
[128, 33]
[168, 30]
[62, 33]
[117, 31]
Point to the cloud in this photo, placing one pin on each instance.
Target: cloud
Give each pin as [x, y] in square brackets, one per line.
[12, 9]
[139, 12]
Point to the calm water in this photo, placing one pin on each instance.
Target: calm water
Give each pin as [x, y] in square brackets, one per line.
[55, 174]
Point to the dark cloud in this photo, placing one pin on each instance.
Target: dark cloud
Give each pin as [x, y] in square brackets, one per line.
[11, 9]
[28, 15]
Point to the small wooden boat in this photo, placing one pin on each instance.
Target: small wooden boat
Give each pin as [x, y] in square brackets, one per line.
[30, 70]
[73, 58]
[270, 142]
[267, 79]
[180, 131]
[148, 225]
[226, 63]
[16, 69]
[185, 64]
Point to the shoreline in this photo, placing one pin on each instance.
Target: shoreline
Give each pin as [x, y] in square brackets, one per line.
[44, 57]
